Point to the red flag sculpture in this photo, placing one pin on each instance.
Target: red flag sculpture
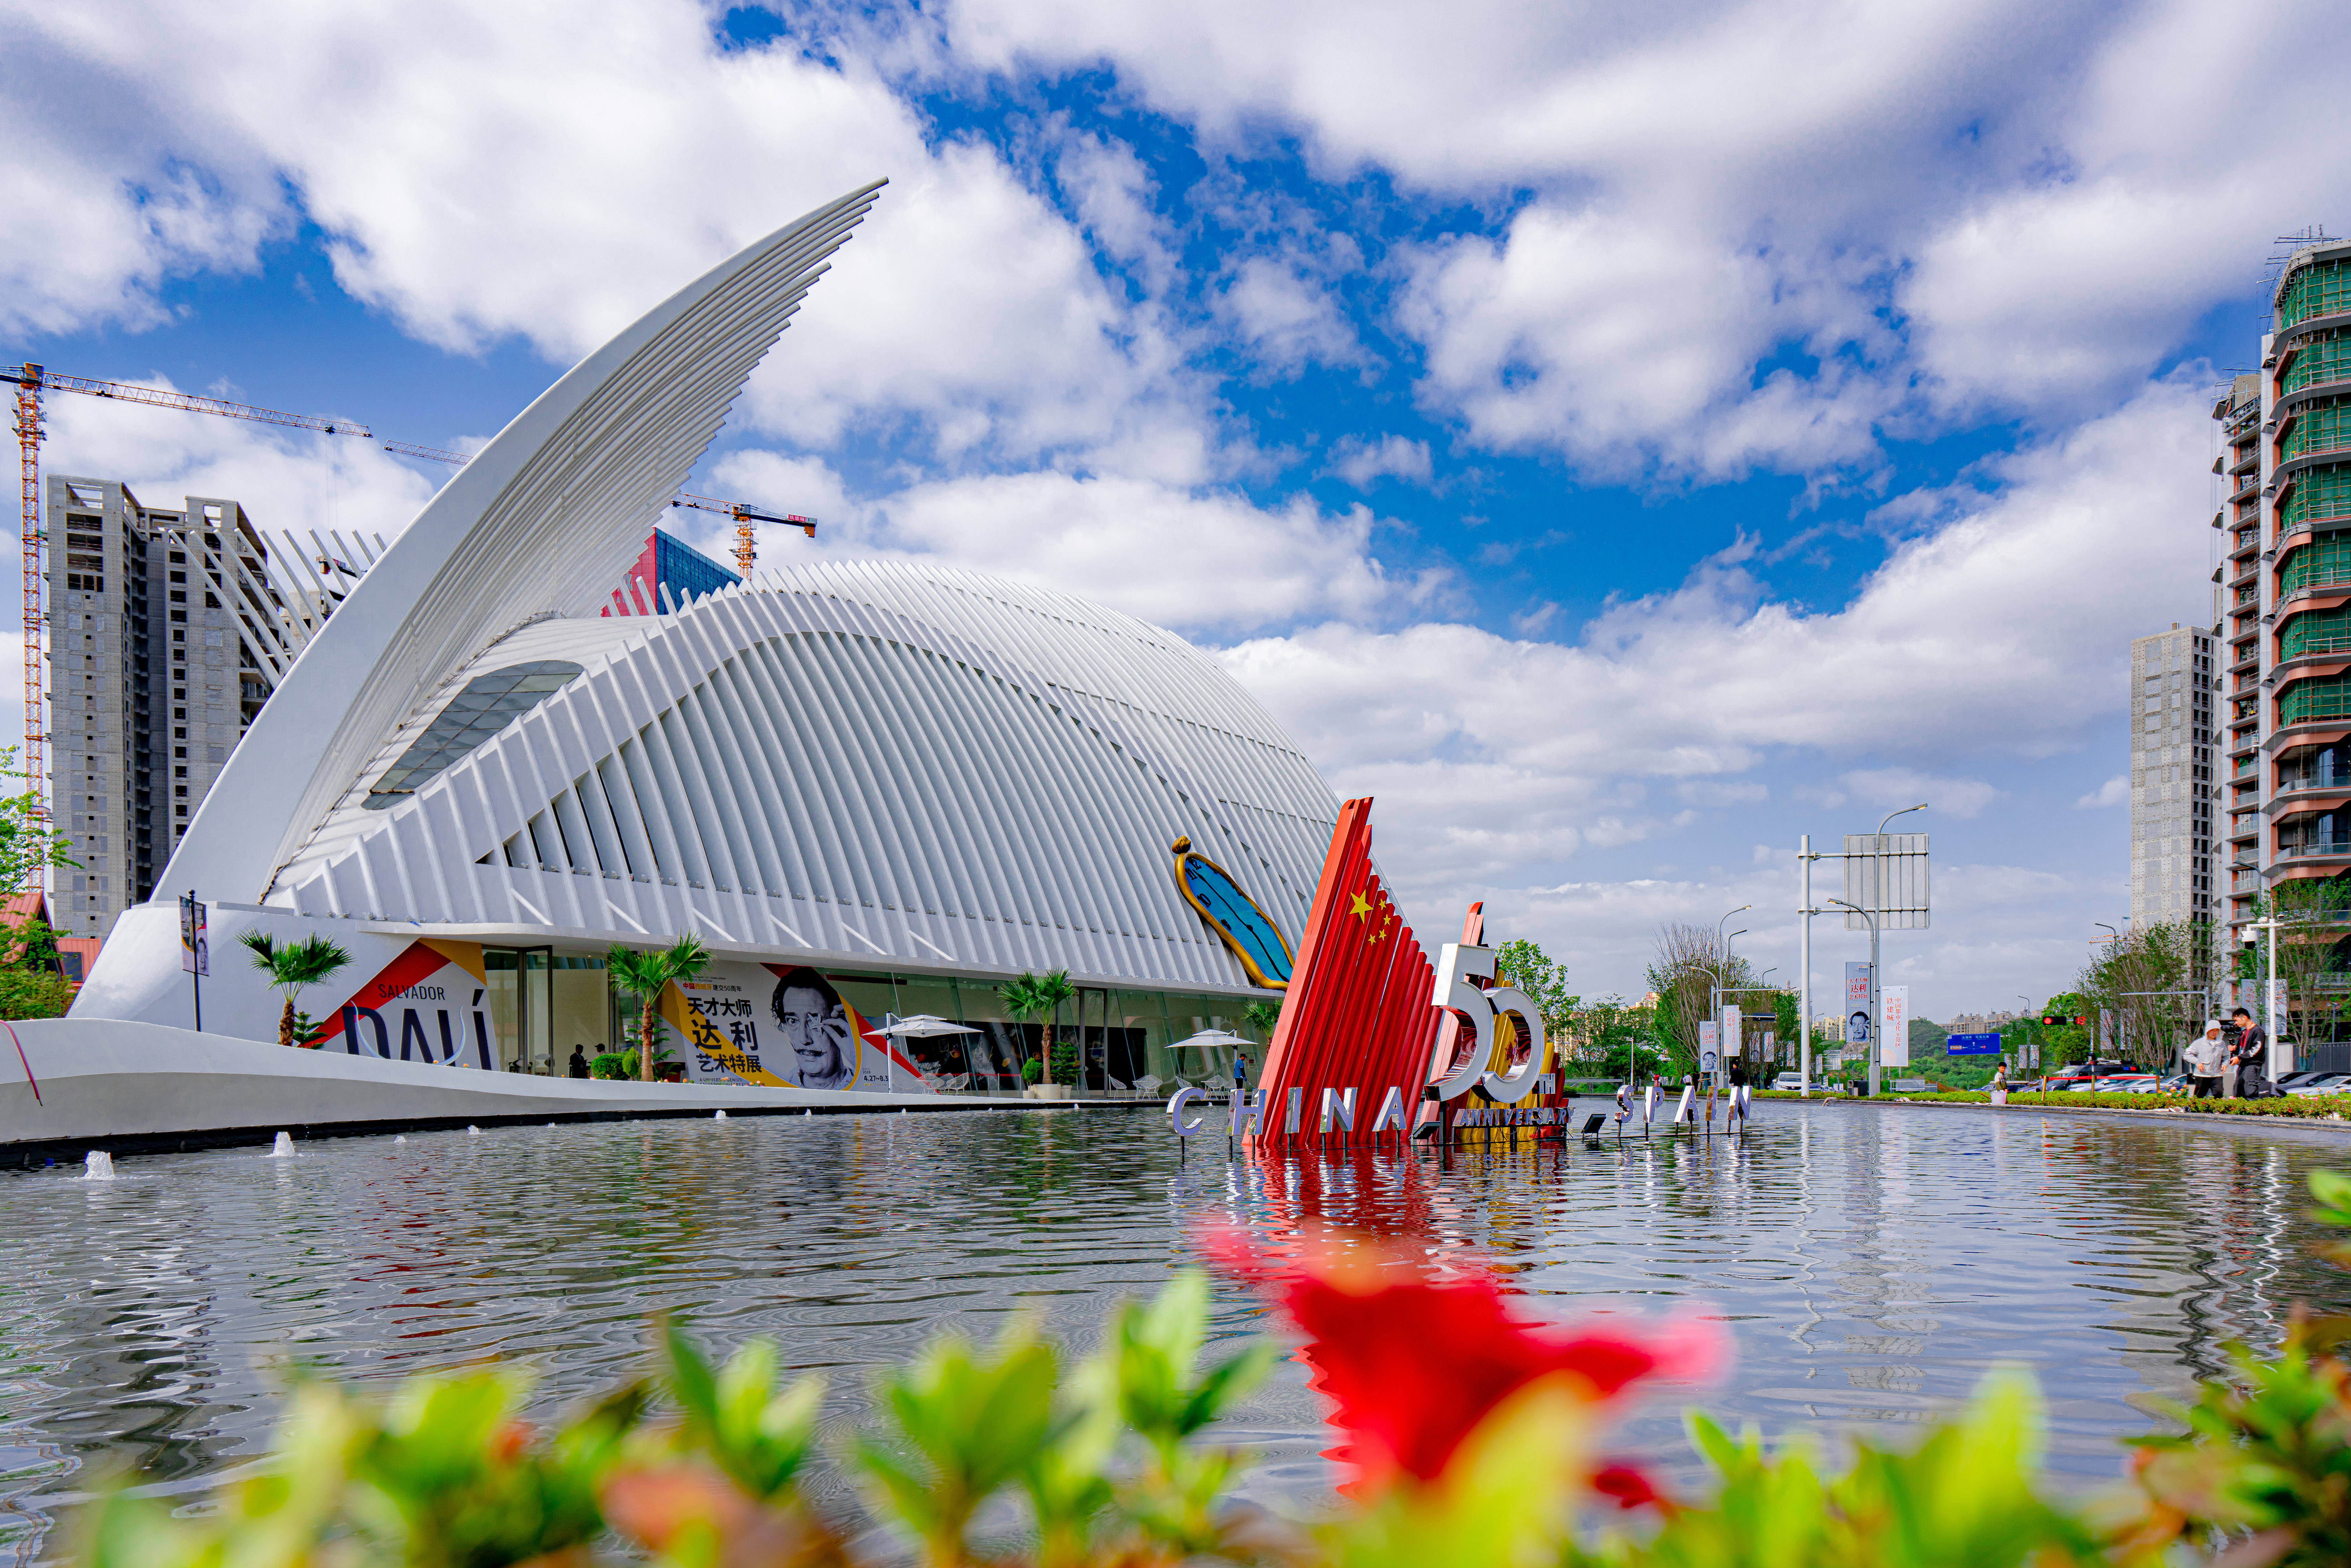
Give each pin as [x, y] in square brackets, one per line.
[1351, 1052]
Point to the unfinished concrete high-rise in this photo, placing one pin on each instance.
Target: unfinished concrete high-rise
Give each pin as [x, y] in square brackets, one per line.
[2171, 788]
[165, 638]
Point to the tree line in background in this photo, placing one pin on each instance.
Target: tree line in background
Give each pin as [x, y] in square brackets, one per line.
[1656, 1037]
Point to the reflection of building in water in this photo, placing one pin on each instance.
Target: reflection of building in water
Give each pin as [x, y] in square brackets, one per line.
[917, 781]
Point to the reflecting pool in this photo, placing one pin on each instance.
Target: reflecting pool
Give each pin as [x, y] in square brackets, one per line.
[1873, 1262]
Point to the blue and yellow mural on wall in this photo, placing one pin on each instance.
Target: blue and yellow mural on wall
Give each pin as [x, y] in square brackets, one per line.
[1232, 914]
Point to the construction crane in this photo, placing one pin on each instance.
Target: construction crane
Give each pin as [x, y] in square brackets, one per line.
[31, 380]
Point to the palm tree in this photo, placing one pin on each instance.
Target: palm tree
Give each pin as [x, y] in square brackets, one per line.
[647, 975]
[292, 968]
[1037, 997]
[1261, 1017]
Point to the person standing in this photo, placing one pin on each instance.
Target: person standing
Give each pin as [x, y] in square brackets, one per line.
[578, 1065]
[2207, 1054]
[1241, 1074]
[2252, 1056]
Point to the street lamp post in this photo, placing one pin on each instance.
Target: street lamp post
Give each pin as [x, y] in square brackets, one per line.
[1804, 858]
[2095, 1044]
[1873, 1020]
[1721, 962]
[1877, 1014]
[2269, 1013]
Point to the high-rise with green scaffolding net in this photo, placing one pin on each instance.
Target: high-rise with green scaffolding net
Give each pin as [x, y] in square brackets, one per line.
[2283, 610]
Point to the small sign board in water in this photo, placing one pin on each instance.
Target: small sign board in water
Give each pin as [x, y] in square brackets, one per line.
[1971, 1045]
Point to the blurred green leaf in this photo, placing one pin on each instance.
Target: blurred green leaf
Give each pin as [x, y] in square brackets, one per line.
[974, 1424]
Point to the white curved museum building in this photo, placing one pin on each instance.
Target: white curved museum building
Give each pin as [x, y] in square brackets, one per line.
[900, 781]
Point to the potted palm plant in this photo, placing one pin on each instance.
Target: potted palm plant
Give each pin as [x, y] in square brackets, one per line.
[1038, 996]
[293, 967]
[646, 976]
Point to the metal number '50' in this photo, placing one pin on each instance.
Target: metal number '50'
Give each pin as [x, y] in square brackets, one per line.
[1477, 1009]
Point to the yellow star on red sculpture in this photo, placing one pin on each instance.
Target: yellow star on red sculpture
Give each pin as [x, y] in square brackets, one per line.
[1361, 907]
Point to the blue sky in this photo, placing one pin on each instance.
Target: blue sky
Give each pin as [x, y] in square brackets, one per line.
[1620, 439]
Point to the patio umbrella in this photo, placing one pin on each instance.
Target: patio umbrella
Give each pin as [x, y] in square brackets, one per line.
[920, 1025]
[1212, 1040]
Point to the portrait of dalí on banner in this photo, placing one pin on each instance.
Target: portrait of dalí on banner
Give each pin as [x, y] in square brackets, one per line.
[820, 1050]
[781, 1025]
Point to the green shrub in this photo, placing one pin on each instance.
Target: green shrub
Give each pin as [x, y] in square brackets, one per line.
[611, 1064]
[34, 994]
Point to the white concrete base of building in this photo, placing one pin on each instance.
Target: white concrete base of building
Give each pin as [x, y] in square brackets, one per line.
[83, 1083]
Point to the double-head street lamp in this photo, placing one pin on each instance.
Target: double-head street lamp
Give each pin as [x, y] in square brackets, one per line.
[1722, 962]
[1872, 1023]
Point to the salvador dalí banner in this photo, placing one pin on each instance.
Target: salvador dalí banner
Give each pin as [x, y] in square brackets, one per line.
[424, 1006]
[782, 1026]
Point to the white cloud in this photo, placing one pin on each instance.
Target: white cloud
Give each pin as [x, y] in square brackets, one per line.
[551, 171]
[2036, 196]
[1600, 335]
[1363, 463]
[1206, 562]
[1893, 789]
[1287, 319]
[2115, 791]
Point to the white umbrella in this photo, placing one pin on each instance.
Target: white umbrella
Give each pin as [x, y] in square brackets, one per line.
[920, 1025]
[1211, 1040]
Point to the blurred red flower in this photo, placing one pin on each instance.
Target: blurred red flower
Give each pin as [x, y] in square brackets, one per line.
[1414, 1362]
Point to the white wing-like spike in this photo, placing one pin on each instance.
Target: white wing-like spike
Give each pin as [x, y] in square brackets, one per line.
[543, 520]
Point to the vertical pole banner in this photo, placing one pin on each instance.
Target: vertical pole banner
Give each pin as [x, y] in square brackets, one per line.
[195, 953]
[2279, 1061]
[1894, 1032]
[1734, 1043]
[1710, 1046]
[1857, 1013]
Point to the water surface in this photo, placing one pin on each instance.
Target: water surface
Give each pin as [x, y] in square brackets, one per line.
[1872, 1263]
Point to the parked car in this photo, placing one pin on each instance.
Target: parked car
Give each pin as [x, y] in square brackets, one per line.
[2320, 1083]
[1790, 1083]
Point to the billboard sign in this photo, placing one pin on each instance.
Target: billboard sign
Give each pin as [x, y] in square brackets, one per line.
[1971, 1045]
[1885, 874]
